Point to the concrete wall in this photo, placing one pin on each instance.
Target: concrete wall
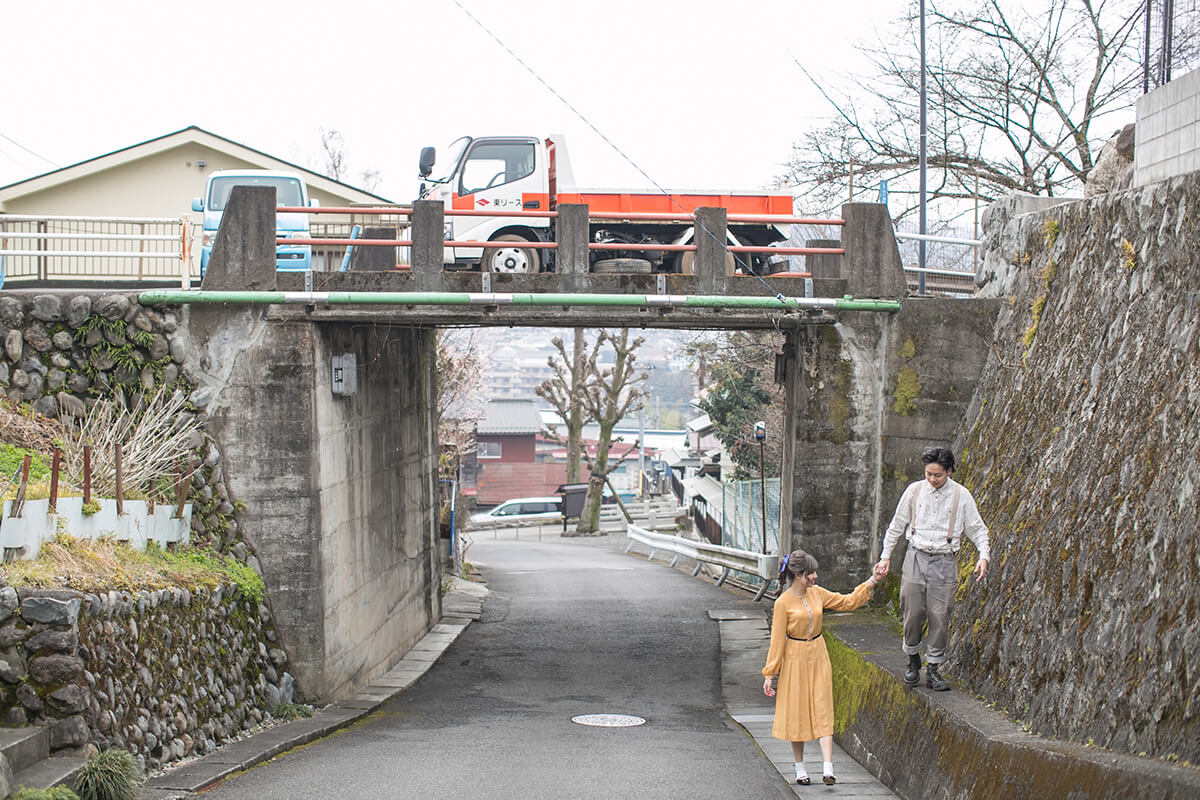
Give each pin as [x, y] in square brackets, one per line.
[866, 395]
[338, 491]
[1168, 131]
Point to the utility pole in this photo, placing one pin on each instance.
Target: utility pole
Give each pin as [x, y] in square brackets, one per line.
[924, 139]
[760, 433]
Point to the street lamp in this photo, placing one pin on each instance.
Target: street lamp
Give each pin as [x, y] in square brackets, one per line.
[760, 433]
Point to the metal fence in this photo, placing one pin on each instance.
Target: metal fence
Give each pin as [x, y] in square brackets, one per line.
[951, 257]
[60, 248]
[742, 517]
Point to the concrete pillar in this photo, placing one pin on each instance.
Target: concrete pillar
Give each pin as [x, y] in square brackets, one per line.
[243, 256]
[824, 265]
[710, 240]
[339, 490]
[428, 233]
[871, 265]
[571, 232]
[374, 259]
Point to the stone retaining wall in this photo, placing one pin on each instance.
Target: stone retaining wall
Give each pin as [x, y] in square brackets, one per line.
[1083, 451]
[165, 674]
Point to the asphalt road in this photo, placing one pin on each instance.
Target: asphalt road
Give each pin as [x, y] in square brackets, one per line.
[572, 626]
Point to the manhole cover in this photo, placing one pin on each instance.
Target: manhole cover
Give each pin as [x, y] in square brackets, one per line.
[608, 720]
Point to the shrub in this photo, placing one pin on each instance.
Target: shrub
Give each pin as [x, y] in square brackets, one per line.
[111, 774]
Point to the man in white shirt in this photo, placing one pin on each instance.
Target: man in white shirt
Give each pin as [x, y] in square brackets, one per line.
[933, 514]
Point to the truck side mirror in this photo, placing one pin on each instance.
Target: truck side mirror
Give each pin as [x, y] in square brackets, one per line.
[197, 204]
[428, 157]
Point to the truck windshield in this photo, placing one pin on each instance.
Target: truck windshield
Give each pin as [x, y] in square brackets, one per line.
[287, 190]
[454, 153]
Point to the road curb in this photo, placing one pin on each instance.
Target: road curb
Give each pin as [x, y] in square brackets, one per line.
[461, 605]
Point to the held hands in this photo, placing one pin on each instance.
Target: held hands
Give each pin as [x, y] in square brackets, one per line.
[768, 689]
[881, 569]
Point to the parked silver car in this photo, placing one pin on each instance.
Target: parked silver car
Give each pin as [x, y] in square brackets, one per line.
[519, 511]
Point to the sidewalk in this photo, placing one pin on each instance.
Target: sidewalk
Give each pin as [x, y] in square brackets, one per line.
[460, 606]
[744, 643]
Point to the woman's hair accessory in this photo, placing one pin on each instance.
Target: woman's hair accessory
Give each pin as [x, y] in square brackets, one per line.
[783, 564]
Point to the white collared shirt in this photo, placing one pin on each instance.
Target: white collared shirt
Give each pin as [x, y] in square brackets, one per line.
[928, 511]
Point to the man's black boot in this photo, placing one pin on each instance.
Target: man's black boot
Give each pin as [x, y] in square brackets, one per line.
[912, 675]
[935, 681]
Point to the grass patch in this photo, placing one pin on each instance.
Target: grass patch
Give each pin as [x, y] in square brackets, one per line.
[111, 774]
[102, 565]
[53, 793]
[291, 711]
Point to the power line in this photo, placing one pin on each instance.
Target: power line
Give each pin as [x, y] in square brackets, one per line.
[610, 143]
[26, 149]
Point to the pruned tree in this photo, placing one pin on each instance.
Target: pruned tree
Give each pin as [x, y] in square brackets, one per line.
[566, 393]
[1015, 94]
[611, 394]
[742, 391]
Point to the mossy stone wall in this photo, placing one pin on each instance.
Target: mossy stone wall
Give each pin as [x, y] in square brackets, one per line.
[1083, 451]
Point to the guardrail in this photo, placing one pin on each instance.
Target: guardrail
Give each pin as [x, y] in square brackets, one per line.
[762, 565]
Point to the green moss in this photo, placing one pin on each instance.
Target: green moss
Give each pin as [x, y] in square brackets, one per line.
[908, 349]
[908, 389]
[1128, 256]
[1051, 232]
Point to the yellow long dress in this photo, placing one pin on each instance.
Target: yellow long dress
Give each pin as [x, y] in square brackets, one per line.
[804, 693]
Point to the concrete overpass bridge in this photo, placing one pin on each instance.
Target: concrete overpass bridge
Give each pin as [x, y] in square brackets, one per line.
[338, 480]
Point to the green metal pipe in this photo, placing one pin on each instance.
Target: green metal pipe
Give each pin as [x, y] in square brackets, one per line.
[777, 303]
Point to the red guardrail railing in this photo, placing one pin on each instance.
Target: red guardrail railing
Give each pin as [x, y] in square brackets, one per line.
[405, 211]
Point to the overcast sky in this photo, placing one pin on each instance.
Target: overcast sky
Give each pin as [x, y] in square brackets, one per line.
[700, 95]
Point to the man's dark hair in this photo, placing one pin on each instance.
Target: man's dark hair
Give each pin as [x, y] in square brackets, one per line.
[939, 455]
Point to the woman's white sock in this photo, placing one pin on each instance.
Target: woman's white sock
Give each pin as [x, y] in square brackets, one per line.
[826, 767]
[801, 772]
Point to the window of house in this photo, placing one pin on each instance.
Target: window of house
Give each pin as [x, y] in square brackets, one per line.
[488, 450]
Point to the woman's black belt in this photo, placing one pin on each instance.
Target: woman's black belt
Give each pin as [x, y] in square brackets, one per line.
[798, 639]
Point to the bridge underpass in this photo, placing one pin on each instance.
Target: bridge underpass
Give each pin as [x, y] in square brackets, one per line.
[338, 487]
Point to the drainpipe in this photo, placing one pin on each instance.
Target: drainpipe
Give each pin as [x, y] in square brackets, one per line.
[777, 303]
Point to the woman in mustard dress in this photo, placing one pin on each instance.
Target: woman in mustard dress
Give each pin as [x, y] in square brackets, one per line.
[804, 706]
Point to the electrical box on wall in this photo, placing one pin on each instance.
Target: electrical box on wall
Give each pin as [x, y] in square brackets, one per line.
[345, 375]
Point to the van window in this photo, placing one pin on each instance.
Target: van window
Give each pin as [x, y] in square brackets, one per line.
[495, 164]
[287, 190]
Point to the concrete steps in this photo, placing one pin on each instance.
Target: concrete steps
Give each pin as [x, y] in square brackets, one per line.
[27, 751]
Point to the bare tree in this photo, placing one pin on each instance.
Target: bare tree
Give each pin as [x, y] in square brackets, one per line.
[612, 393]
[334, 147]
[1014, 93]
[566, 393]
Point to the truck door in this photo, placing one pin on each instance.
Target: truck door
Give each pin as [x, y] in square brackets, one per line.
[500, 175]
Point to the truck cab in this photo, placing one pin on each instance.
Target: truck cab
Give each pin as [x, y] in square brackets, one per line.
[290, 190]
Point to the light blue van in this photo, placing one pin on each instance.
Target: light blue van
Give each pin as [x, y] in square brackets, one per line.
[290, 190]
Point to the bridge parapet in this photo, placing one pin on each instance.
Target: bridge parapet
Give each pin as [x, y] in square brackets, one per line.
[865, 263]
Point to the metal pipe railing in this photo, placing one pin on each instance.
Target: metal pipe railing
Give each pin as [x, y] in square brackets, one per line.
[777, 303]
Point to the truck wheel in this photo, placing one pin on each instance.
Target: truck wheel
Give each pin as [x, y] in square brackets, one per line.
[510, 259]
[685, 263]
[639, 266]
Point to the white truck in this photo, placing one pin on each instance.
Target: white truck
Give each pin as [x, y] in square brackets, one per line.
[525, 173]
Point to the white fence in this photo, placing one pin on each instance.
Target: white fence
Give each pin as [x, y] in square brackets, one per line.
[60, 248]
[761, 565]
[23, 536]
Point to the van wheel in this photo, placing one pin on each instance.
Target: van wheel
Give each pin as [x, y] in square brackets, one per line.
[510, 259]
